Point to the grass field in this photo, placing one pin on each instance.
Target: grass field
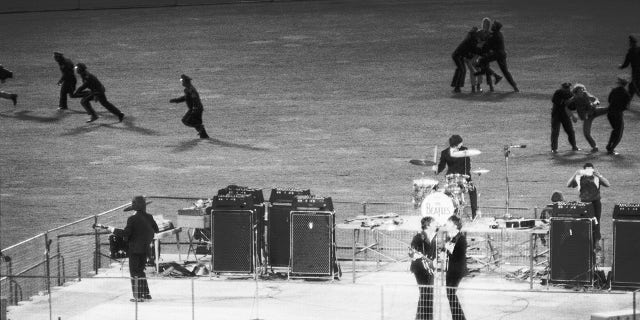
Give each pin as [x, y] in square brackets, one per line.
[335, 96]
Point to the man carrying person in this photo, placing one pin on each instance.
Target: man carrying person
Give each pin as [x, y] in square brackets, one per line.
[561, 115]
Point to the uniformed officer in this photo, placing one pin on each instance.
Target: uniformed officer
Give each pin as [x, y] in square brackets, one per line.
[92, 88]
[193, 117]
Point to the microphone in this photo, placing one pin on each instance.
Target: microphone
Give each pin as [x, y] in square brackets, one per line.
[516, 146]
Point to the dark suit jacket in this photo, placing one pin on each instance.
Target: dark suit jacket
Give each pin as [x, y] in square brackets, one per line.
[454, 165]
[421, 244]
[89, 81]
[457, 266]
[139, 232]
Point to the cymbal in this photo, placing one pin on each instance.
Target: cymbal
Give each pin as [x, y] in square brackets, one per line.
[465, 153]
[422, 162]
[480, 171]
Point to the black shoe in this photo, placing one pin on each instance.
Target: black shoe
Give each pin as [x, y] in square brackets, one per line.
[136, 300]
[613, 153]
[515, 89]
[62, 108]
[498, 79]
[554, 151]
[120, 117]
[14, 98]
[594, 149]
[456, 90]
[576, 149]
[92, 119]
[147, 297]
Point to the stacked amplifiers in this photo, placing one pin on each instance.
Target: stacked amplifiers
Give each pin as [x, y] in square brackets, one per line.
[626, 246]
[279, 220]
[571, 248]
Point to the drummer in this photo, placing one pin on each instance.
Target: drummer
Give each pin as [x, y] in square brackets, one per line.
[457, 162]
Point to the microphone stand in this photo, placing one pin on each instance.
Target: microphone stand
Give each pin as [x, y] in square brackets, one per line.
[507, 152]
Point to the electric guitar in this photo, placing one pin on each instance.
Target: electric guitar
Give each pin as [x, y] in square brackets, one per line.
[427, 263]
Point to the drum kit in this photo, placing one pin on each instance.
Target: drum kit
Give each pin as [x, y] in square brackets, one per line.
[442, 200]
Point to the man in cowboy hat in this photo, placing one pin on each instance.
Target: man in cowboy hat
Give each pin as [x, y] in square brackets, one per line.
[619, 100]
[139, 234]
[193, 117]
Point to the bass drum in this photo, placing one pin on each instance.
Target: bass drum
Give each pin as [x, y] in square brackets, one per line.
[438, 205]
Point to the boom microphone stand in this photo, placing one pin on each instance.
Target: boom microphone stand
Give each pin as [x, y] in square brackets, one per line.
[507, 152]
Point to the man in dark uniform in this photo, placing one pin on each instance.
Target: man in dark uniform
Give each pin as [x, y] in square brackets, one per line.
[619, 100]
[423, 253]
[460, 165]
[90, 89]
[465, 50]
[496, 52]
[193, 117]
[633, 58]
[561, 115]
[139, 234]
[456, 250]
[4, 75]
[68, 81]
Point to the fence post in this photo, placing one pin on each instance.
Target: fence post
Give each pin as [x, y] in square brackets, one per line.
[79, 270]
[193, 301]
[96, 252]
[7, 260]
[58, 254]
[364, 233]
[382, 302]
[634, 304]
[47, 257]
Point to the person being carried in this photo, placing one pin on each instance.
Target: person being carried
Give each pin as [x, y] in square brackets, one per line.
[589, 180]
[423, 253]
[193, 117]
[450, 159]
[138, 233]
[585, 104]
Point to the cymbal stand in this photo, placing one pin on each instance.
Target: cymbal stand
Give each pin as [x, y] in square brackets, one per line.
[507, 152]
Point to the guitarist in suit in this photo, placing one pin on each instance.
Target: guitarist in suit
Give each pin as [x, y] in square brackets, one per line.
[456, 250]
[423, 252]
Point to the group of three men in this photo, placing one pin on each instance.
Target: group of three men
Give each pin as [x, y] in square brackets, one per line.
[92, 89]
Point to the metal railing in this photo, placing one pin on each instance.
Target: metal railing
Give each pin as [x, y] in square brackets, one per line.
[76, 250]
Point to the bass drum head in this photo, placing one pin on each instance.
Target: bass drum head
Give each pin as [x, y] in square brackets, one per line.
[437, 205]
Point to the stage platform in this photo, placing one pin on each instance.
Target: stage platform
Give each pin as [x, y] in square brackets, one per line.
[376, 295]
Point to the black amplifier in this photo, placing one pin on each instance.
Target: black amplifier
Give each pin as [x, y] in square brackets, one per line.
[576, 210]
[626, 211]
[232, 189]
[232, 201]
[313, 203]
[280, 195]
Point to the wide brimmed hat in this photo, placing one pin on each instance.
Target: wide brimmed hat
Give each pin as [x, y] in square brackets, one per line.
[138, 203]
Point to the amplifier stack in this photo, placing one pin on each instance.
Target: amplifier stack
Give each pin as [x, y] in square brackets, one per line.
[571, 243]
[626, 246]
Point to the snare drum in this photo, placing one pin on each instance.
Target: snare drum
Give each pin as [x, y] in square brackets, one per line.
[421, 188]
[438, 205]
[457, 183]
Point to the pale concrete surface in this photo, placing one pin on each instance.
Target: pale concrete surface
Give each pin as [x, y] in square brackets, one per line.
[385, 294]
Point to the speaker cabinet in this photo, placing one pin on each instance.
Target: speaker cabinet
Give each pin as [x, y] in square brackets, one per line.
[626, 254]
[312, 244]
[278, 235]
[571, 257]
[233, 241]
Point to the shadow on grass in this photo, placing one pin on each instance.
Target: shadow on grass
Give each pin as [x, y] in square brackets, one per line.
[25, 115]
[128, 123]
[190, 144]
[499, 96]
